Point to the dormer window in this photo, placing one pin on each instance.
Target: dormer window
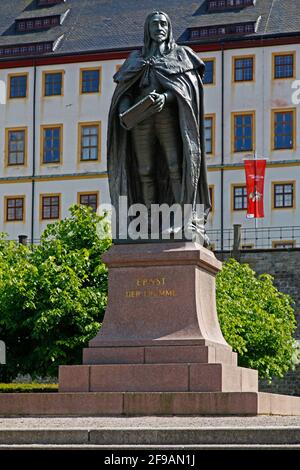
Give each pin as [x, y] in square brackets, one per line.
[35, 24]
[215, 5]
[42, 3]
[223, 30]
[28, 49]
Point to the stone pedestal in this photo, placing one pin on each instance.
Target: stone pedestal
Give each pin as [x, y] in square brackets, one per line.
[161, 331]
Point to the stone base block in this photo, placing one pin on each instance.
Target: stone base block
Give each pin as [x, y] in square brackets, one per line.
[175, 377]
[159, 355]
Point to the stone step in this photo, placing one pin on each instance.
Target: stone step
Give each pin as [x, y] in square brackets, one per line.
[194, 377]
[105, 437]
[148, 404]
[159, 355]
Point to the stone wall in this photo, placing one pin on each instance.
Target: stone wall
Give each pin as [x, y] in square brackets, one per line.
[288, 385]
[284, 266]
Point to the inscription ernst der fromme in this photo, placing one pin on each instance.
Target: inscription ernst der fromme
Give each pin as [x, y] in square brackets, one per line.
[158, 283]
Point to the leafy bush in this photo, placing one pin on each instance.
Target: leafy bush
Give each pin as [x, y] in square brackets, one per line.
[257, 320]
[53, 297]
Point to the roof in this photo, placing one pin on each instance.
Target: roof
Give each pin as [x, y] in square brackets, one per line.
[107, 25]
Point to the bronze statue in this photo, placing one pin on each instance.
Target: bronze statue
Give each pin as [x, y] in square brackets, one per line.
[161, 159]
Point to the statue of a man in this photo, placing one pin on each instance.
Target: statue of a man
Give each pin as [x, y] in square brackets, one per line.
[162, 158]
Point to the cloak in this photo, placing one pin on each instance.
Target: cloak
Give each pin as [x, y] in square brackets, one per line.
[180, 71]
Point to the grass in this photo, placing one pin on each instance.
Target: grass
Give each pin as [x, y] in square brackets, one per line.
[27, 388]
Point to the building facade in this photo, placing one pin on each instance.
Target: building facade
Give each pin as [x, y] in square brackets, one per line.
[57, 60]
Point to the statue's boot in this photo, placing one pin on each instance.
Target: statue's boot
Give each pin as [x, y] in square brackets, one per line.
[176, 185]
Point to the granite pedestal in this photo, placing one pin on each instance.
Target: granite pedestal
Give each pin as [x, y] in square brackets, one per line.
[161, 331]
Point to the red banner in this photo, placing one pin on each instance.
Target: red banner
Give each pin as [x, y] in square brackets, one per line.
[255, 178]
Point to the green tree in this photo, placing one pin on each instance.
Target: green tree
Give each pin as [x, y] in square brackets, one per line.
[53, 297]
[257, 320]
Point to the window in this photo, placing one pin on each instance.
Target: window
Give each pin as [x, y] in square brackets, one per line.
[53, 83]
[90, 80]
[247, 246]
[89, 199]
[17, 86]
[283, 195]
[209, 74]
[250, 28]
[284, 65]
[14, 209]
[240, 28]
[239, 198]
[50, 206]
[89, 144]
[16, 143]
[243, 139]
[243, 69]
[209, 132]
[284, 244]
[283, 129]
[51, 144]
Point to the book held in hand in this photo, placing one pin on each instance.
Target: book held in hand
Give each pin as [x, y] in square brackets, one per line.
[138, 112]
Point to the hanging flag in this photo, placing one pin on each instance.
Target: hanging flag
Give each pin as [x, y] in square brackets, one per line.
[255, 178]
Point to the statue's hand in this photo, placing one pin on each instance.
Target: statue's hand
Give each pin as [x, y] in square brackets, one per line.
[160, 100]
